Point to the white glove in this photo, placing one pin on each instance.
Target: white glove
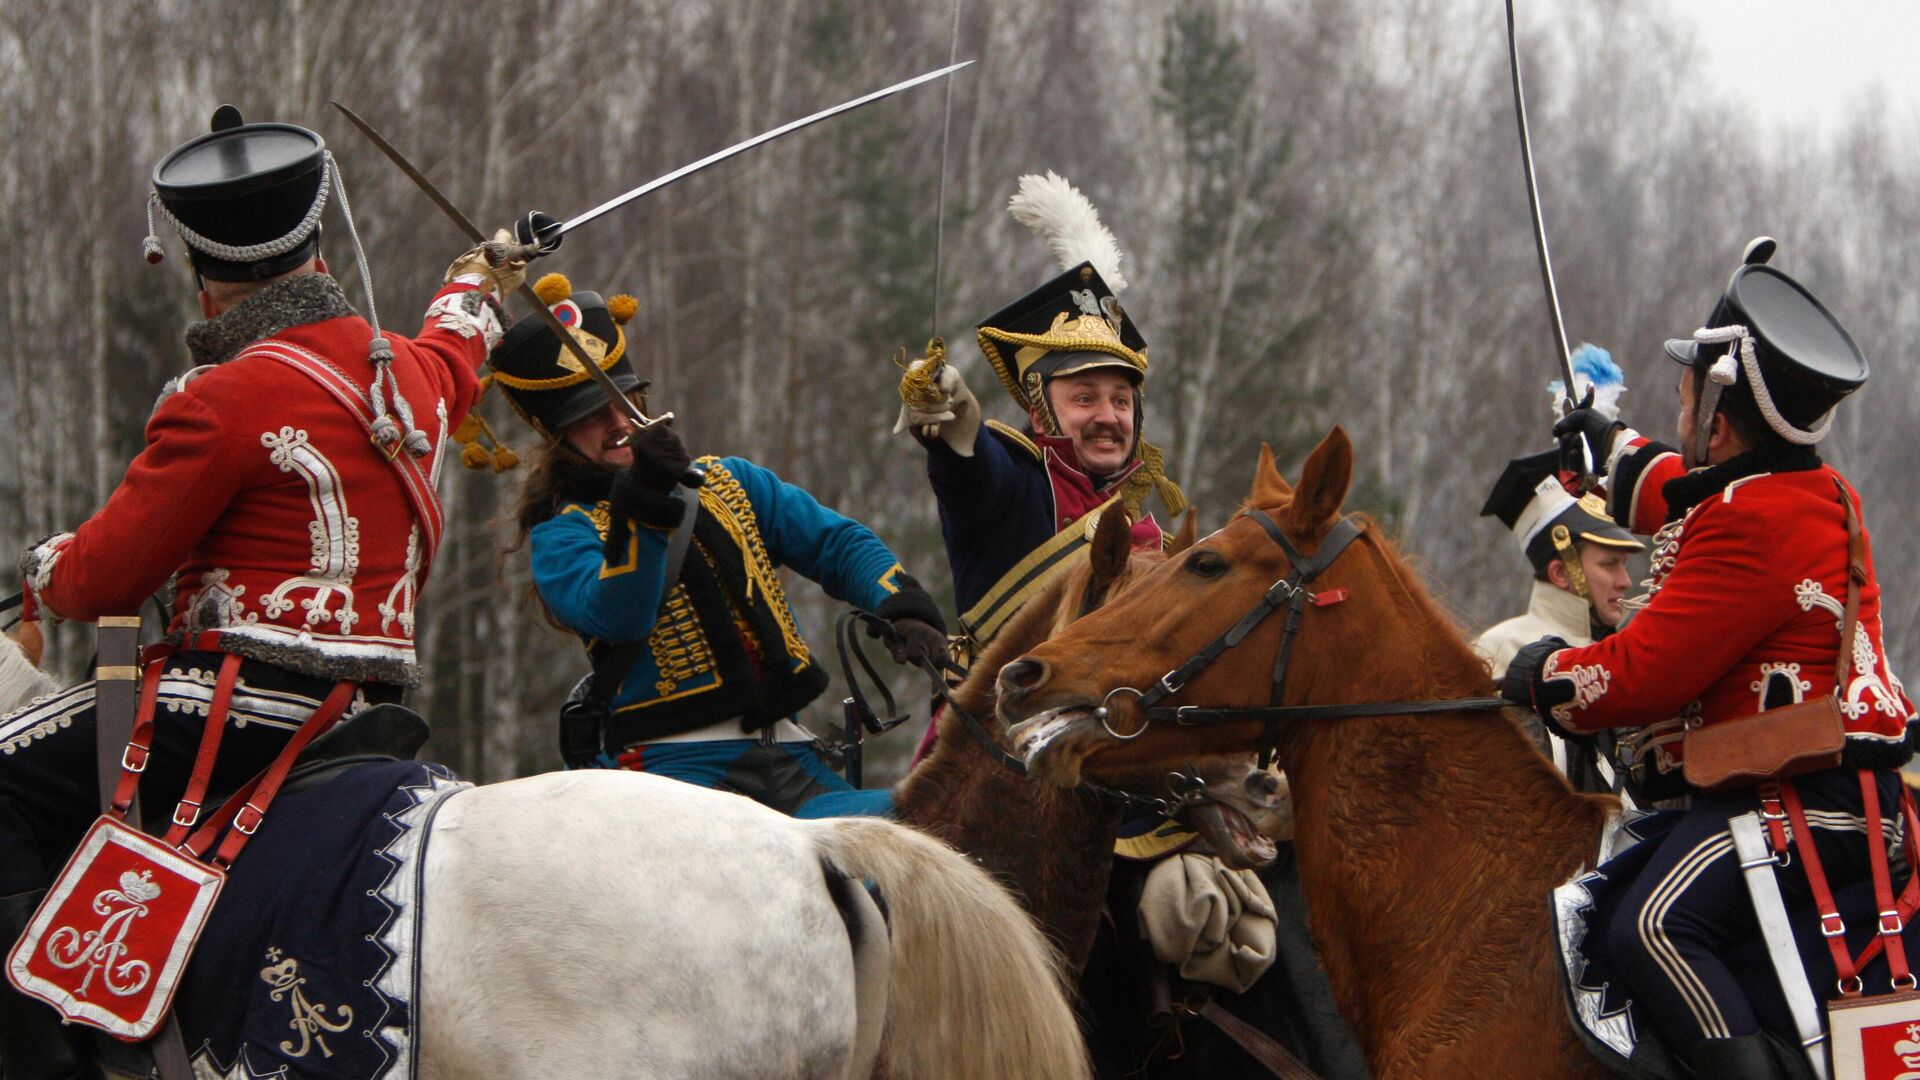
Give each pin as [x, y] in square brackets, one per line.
[955, 420]
[500, 279]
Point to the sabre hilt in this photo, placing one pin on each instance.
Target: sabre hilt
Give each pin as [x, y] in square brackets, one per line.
[534, 235]
[641, 423]
[694, 477]
[539, 233]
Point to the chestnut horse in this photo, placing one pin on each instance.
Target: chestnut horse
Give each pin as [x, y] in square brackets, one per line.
[1054, 848]
[1427, 843]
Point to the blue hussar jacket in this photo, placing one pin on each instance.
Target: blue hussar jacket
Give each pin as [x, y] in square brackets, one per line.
[722, 642]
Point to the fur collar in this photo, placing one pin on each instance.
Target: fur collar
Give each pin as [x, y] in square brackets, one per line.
[297, 301]
[1683, 493]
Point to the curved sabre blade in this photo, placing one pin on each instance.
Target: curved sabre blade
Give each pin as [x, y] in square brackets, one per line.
[764, 137]
[539, 306]
[1533, 203]
[419, 179]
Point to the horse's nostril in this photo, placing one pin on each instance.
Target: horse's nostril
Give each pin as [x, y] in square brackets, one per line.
[1021, 676]
[1266, 782]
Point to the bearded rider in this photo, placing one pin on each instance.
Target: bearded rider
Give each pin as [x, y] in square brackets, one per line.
[698, 677]
[1750, 579]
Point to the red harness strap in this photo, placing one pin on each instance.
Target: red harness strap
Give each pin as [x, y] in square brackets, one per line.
[1892, 916]
[248, 806]
[1910, 896]
[1891, 921]
[245, 808]
[187, 813]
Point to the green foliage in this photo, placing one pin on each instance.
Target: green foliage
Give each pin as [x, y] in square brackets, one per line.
[1203, 90]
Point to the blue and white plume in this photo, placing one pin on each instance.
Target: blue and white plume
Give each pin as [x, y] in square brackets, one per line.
[1593, 367]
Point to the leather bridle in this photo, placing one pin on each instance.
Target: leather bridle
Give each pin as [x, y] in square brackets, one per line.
[1184, 790]
[1289, 592]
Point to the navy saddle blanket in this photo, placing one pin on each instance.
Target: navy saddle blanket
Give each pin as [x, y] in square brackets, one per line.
[307, 966]
[1605, 1015]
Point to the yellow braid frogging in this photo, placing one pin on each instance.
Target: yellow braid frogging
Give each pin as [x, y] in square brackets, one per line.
[1151, 476]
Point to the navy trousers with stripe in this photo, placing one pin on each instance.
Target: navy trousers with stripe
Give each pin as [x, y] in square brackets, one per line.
[1689, 909]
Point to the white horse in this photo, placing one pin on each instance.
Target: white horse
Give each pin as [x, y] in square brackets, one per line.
[615, 924]
[20, 680]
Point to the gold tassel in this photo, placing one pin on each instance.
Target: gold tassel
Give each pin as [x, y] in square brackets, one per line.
[1152, 476]
[919, 388]
[1171, 496]
[473, 429]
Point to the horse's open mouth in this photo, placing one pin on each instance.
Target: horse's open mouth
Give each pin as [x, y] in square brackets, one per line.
[1244, 846]
[1045, 741]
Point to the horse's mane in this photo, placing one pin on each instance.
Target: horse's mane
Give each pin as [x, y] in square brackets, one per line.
[1460, 670]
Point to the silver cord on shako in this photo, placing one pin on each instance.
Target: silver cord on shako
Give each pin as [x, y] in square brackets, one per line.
[379, 350]
[1724, 373]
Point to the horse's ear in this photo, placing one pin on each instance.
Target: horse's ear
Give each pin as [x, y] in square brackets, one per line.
[1323, 485]
[1269, 487]
[1112, 543]
[1182, 540]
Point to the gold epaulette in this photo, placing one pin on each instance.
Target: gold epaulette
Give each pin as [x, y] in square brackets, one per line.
[1019, 437]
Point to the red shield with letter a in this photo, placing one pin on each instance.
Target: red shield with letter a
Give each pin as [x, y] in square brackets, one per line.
[1876, 1038]
[113, 935]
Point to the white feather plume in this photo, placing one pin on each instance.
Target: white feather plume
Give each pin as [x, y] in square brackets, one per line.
[1055, 209]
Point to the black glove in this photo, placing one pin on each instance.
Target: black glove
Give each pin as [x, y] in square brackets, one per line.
[659, 457]
[1585, 424]
[1523, 686]
[643, 491]
[918, 630]
[581, 723]
[541, 230]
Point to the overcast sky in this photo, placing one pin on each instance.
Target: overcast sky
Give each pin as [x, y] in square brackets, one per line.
[1811, 62]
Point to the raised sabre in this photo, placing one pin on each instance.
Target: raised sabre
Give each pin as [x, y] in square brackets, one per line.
[1563, 353]
[497, 253]
[552, 238]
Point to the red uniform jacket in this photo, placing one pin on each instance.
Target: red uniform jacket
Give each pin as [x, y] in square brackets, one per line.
[1749, 581]
[288, 530]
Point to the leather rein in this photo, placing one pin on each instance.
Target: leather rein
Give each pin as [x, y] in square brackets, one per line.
[1289, 592]
[1185, 790]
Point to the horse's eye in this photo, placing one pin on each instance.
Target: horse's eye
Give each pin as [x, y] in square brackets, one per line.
[1206, 564]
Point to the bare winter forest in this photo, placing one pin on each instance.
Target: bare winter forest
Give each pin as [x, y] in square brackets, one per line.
[1321, 204]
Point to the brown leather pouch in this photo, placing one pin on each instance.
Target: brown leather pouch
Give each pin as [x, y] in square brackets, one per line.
[1804, 737]
[1773, 745]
